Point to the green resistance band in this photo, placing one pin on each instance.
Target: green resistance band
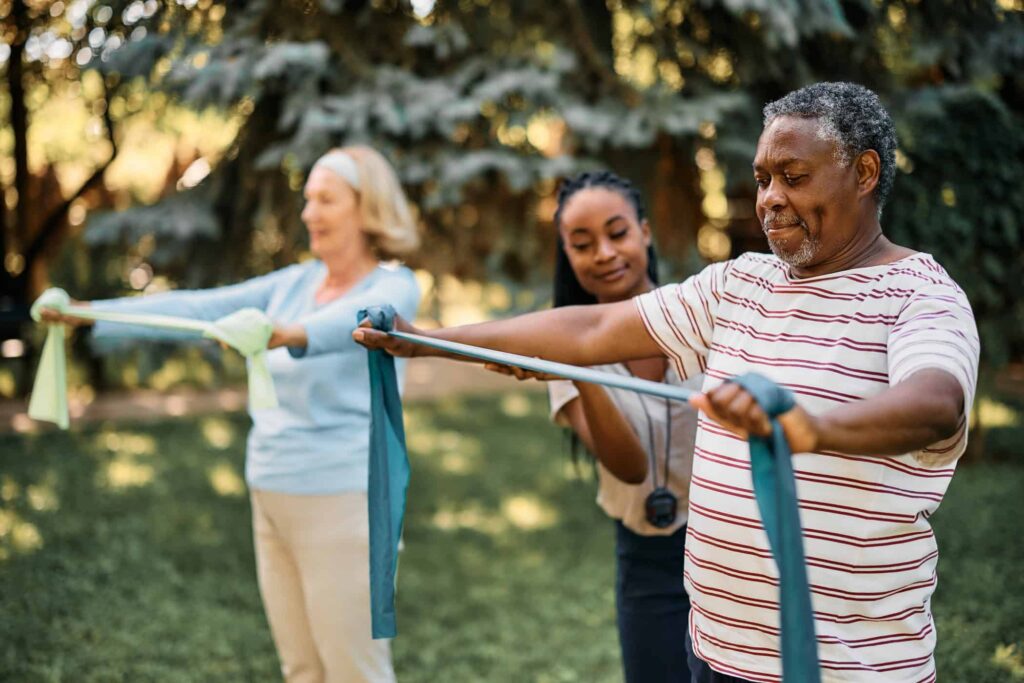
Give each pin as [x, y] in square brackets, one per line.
[771, 471]
[247, 331]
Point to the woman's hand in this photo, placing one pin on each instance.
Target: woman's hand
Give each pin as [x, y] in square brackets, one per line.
[520, 373]
[52, 315]
[365, 335]
[731, 406]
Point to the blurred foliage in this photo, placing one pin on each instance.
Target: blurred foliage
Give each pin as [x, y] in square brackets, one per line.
[975, 227]
[483, 104]
[507, 573]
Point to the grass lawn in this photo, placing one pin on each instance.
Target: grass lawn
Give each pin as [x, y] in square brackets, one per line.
[125, 555]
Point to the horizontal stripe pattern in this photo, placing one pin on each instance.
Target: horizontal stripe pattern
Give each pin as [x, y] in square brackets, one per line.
[871, 554]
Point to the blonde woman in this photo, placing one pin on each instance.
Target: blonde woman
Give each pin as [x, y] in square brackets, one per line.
[306, 463]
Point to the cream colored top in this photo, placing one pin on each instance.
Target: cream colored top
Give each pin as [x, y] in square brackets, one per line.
[624, 501]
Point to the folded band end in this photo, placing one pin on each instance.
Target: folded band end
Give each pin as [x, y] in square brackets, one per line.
[773, 398]
[381, 317]
[54, 297]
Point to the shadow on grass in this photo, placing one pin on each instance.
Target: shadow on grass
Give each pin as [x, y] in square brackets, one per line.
[126, 555]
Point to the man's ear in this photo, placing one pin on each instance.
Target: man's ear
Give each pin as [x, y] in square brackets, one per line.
[869, 171]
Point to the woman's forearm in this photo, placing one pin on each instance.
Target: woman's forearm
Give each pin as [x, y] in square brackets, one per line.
[609, 436]
[292, 336]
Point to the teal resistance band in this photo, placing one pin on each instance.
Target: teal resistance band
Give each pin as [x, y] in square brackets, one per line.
[641, 386]
[775, 490]
[388, 478]
[771, 471]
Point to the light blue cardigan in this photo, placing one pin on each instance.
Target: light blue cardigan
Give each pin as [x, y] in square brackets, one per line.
[317, 440]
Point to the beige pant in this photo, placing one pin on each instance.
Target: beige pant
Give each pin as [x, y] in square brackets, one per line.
[312, 559]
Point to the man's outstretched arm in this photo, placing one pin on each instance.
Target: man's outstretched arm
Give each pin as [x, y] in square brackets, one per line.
[578, 335]
[925, 408]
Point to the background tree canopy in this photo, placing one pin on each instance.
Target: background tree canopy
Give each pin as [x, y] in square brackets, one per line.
[482, 105]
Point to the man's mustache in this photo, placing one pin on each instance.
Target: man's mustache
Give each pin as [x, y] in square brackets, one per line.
[773, 219]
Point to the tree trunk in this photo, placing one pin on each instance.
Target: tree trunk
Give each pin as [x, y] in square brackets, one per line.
[19, 124]
[676, 199]
[13, 273]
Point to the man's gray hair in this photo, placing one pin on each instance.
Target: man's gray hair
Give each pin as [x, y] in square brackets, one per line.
[851, 116]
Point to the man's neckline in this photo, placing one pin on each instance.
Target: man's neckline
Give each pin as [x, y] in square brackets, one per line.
[787, 271]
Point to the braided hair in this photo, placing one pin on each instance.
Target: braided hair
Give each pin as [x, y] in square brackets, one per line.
[568, 291]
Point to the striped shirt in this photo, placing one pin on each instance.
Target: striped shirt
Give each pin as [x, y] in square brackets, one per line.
[871, 554]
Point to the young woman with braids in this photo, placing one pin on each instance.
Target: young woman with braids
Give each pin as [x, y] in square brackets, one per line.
[643, 444]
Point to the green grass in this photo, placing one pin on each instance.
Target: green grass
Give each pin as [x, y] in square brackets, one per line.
[125, 555]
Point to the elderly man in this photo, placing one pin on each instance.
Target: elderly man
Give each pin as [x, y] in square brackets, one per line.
[879, 346]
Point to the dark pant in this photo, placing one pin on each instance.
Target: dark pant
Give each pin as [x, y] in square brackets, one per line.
[702, 673]
[653, 609]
